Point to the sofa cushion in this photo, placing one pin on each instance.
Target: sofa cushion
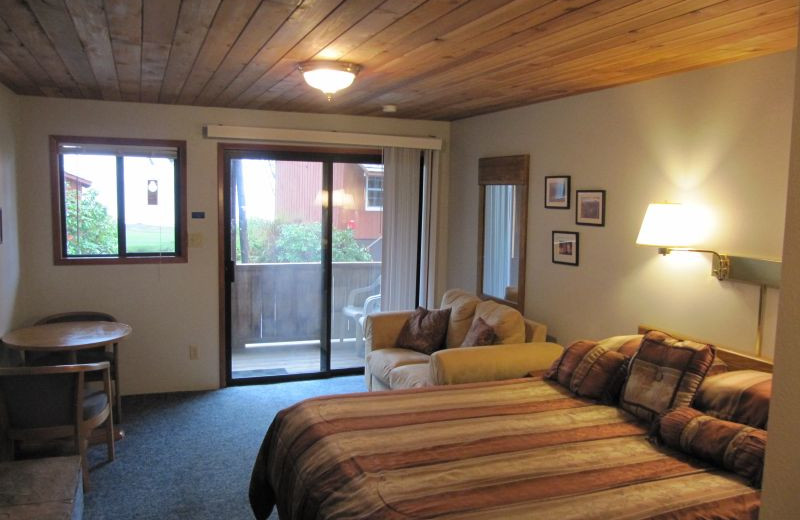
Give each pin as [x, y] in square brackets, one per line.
[508, 325]
[480, 334]
[382, 361]
[424, 331]
[462, 309]
[410, 376]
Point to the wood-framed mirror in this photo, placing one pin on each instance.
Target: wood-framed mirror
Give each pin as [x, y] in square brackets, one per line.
[502, 228]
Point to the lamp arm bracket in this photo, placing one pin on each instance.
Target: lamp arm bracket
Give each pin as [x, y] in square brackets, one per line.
[720, 267]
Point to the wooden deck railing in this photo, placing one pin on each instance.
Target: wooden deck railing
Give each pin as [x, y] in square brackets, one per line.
[283, 302]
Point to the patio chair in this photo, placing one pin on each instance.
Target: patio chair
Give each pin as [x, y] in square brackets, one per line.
[360, 302]
[51, 402]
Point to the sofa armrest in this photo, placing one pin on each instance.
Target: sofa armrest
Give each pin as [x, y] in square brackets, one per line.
[382, 329]
[491, 363]
[535, 332]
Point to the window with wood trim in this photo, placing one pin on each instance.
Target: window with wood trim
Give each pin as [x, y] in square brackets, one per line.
[118, 200]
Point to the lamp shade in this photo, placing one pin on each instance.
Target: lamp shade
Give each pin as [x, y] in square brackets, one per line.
[329, 76]
[666, 225]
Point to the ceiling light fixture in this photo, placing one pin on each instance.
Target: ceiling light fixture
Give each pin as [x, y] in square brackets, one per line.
[329, 76]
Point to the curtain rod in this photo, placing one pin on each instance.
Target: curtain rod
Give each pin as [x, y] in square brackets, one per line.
[253, 133]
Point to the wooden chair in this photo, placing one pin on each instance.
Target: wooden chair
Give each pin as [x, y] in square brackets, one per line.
[93, 355]
[50, 402]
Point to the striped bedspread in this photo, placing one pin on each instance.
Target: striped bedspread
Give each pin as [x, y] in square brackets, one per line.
[524, 448]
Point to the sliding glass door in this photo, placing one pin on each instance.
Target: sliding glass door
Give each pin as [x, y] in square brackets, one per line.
[302, 245]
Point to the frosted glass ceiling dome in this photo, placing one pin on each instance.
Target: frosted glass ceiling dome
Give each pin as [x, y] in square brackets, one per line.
[329, 76]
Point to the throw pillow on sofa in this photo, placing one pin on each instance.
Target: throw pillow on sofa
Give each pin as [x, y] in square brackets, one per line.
[425, 330]
[479, 334]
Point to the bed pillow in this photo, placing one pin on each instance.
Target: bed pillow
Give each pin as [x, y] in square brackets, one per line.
[589, 370]
[479, 334]
[740, 396]
[425, 330]
[629, 345]
[665, 373]
[733, 446]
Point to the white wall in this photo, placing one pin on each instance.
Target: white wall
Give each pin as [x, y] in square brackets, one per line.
[718, 137]
[169, 306]
[782, 472]
[9, 249]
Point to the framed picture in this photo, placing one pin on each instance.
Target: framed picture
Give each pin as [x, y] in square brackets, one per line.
[590, 207]
[556, 192]
[565, 247]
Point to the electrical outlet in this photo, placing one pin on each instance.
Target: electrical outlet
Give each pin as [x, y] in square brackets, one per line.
[193, 354]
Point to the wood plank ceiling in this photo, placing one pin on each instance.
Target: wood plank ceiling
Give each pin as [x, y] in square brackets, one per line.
[434, 59]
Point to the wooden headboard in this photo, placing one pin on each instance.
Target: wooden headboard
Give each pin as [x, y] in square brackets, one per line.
[735, 360]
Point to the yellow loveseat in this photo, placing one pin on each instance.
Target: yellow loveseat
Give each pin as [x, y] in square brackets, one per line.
[521, 347]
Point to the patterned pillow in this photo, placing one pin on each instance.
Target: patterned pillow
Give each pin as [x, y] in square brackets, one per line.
[733, 446]
[665, 373]
[479, 334]
[740, 396]
[425, 330]
[589, 370]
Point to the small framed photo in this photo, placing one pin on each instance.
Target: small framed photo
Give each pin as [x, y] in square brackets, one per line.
[556, 192]
[565, 247]
[590, 207]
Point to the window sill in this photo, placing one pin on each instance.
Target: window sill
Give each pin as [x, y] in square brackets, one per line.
[122, 261]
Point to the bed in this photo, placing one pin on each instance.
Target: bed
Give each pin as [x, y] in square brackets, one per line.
[523, 448]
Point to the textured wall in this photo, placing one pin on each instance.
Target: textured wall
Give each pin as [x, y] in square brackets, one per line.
[169, 306]
[717, 137]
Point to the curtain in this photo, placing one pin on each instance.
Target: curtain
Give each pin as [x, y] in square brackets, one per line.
[428, 241]
[401, 197]
[497, 248]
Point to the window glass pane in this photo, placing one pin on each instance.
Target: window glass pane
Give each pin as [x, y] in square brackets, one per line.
[90, 204]
[149, 204]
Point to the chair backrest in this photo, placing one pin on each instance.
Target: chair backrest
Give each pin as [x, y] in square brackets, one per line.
[43, 396]
[76, 316]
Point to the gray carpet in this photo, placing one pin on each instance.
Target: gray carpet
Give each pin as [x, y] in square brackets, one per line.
[189, 455]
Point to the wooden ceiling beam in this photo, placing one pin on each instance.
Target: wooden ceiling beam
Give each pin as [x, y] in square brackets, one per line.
[125, 29]
[231, 19]
[159, 20]
[19, 55]
[265, 22]
[333, 26]
[194, 21]
[24, 24]
[89, 19]
[15, 79]
[600, 45]
[301, 22]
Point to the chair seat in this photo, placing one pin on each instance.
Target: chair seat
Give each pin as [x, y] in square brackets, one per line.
[93, 403]
[353, 311]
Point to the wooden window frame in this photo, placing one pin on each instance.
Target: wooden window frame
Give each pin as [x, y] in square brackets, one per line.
[59, 256]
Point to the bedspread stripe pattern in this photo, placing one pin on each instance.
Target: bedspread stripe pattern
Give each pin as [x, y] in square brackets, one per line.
[514, 449]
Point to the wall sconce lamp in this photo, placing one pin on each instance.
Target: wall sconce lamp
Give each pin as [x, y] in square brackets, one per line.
[671, 227]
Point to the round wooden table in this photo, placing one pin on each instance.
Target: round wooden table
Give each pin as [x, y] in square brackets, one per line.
[68, 337]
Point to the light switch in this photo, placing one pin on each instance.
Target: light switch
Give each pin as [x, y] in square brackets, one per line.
[195, 240]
